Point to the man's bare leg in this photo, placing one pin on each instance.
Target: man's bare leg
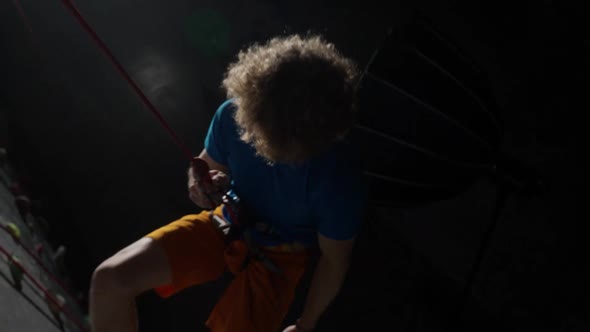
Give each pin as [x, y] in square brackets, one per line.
[116, 282]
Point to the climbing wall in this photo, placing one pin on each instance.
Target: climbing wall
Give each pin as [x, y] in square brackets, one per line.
[34, 295]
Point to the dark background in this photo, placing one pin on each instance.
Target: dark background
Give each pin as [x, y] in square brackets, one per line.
[107, 173]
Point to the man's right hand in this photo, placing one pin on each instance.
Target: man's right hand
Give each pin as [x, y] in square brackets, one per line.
[198, 190]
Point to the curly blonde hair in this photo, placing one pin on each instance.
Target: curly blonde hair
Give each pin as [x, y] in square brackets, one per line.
[295, 96]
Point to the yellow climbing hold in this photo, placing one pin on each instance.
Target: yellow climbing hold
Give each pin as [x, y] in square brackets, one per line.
[13, 230]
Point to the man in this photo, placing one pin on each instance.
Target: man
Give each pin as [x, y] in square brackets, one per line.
[281, 139]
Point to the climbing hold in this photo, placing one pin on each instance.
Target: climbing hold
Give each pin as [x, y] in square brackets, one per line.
[56, 303]
[51, 300]
[13, 230]
[59, 254]
[59, 257]
[39, 249]
[17, 272]
[16, 189]
[23, 203]
[24, 200]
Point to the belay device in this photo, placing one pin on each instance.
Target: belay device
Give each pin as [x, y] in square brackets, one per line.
[238, 225]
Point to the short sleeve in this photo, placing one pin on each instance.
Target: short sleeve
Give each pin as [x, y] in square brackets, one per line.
[219, 135]
[340, 208]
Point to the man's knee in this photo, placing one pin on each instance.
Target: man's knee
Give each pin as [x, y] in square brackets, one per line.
[133, 270]
[109, 277]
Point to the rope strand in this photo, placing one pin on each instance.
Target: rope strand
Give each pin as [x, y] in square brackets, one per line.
[107, 52]
[44, 290]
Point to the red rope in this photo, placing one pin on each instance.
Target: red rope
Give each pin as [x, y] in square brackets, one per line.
[45, 292]
[74, 11]
[120, 69]
[40, 263]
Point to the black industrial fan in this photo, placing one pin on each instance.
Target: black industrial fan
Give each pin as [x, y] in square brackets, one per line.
[428, 128]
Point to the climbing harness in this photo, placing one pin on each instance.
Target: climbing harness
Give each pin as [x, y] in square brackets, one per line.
[238, 226]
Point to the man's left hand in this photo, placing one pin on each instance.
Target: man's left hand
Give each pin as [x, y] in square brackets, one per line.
[294, 328]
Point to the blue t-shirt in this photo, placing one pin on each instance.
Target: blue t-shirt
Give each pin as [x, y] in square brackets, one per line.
[325, 194]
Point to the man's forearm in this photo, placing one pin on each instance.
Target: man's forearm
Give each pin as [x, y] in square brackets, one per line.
[325, 285]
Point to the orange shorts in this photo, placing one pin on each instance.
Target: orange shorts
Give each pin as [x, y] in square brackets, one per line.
[257, 299]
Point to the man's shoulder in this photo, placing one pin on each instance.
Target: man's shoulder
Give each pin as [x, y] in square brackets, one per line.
[226, 110]
[225, 119]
